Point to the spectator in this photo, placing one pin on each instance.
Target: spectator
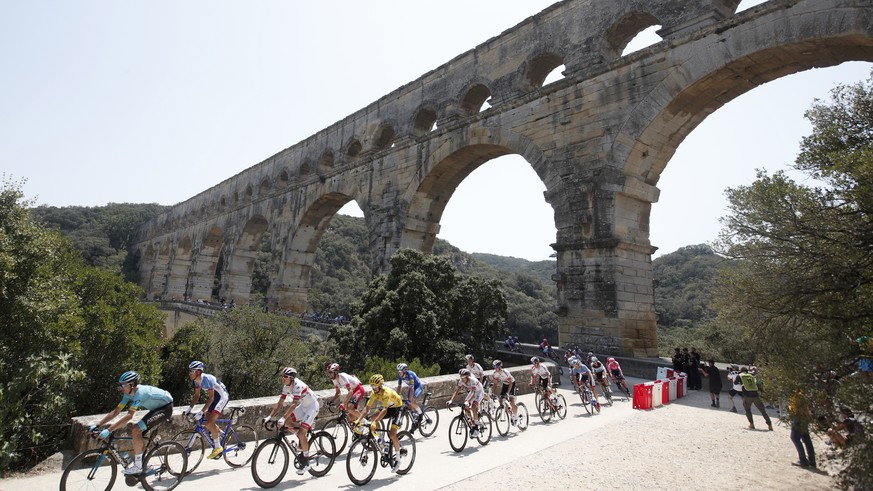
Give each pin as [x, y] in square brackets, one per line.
[847, 423]
[736, 385]
[751, 397]
[800, 415]
[694, 380]
[714, 375]
[678, 364]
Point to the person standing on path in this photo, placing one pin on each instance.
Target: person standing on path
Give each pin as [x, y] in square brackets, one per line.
[694, 379]
[800, 415]
[736, 385]
[750, 397]
[714, 375]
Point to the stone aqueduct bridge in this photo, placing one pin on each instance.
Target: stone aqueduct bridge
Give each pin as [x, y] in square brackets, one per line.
[598, 139]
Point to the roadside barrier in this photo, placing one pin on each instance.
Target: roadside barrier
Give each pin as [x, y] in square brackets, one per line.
[649, 395]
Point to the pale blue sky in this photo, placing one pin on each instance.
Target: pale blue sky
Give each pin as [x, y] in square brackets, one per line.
[134, 101]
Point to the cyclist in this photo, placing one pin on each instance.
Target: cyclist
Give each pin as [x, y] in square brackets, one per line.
[541, 374]
[502, 378]
[414, 389]
[600, 374]
[159, 403]
[475, 369]
[304, 408]
[390, 403]
[581, 374]
[615, 372]
[217, 398]
[475, 393]
[352, 384]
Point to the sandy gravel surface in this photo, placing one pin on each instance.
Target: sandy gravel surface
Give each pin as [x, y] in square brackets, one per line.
[685, 445]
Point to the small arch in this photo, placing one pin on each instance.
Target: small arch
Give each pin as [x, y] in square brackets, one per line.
[327, 160]
[283, 178]
[424, 122]
[384, 137]
[539, 68]
[305, 169]
[475, 98]
[619, 35]
[265, 187]
[249, 192]
[353, 148]
[222, 202]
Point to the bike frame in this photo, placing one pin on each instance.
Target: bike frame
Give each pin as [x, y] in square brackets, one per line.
[200, 428]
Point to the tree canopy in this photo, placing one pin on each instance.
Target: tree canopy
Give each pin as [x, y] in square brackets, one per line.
[802, 288]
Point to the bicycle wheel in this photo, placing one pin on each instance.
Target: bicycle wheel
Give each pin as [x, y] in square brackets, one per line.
[240, 445]
[91, 469]
[608, 393]
[585, 402]
[362, 460]
[322, 453]
[537, 396]
[562, 406]
[501, 421]
[522, 419]
[545, 410]
[485, 428]
[195, 446]
[428, 421]
[404, 423]
[164, 467]
[407, 451]
[270, 462]
[458, 433]
[338, 430]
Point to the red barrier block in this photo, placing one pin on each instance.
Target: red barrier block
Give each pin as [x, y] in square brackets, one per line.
[642, 396]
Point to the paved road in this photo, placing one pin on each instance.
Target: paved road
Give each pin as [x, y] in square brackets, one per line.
[436, 464]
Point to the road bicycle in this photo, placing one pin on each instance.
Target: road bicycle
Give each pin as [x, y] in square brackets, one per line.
[427, 421]
[271, 458]
[503, 416]
[239, 442]
[338, 427]
[623, 389]
[589, 401]
[164, 466]
[462, 424]
[555, 404]
[489, 404]
[606, 389]
[375, 447]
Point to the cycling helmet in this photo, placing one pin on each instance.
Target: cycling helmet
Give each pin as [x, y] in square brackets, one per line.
[534, 360]
[334, 367]
[468, 357]
[464, 372]
[129, 377]
[594, 359]
[572, 360]
[376, 379]
[610, 360]
[497, 364]
[289, 372]
[195, 365]
[402, 366]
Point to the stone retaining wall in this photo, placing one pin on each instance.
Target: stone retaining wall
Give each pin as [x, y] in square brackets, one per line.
[441, 387]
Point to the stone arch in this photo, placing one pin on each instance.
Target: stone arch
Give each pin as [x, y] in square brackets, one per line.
[291, 289]
[474, 97]
[424, 120]
[446, 169]
[283, 178]
[353, 148]
[265, 186]
[622, 31]
[249, 192]
[327, 160]
[305, 170]
[236, 279]
[538, 68]
[384, 136]
[204, 267]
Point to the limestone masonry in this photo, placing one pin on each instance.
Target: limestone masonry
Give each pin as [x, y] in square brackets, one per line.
[599, 140]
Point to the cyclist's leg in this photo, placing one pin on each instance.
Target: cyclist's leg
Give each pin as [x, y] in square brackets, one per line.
[149, 421]
[413, 400]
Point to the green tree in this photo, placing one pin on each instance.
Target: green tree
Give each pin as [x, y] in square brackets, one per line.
[423, 308]
[66, 332]
[803, 286]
